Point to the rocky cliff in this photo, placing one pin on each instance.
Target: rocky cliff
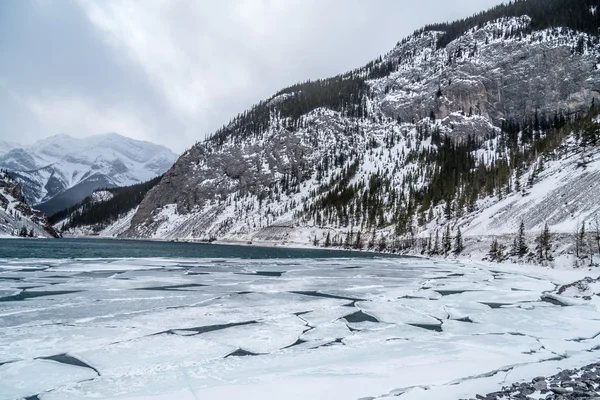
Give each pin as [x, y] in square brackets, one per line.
[17, 218]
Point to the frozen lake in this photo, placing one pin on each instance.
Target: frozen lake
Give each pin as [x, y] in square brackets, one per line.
[294, 328]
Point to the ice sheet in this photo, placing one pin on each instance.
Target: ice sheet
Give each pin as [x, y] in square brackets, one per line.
[295, 329]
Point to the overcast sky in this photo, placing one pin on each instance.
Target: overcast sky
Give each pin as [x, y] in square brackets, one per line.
[172, 71]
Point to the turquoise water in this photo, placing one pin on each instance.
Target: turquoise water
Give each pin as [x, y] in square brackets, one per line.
[106, 248]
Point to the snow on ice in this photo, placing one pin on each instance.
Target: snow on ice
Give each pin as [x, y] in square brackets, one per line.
[295, 329]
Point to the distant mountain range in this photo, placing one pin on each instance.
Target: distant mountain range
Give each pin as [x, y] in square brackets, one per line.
[60, 171]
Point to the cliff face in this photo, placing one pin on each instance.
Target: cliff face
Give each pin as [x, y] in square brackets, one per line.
[17, 218]
[495, 76]
[315, 170]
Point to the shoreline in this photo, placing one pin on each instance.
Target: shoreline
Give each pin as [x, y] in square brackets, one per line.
[468, 259]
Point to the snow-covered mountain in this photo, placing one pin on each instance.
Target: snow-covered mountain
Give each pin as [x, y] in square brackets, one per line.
[472, 126]
[60, 171]
[17, 218]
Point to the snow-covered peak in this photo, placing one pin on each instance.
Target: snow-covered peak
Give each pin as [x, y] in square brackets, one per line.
[110, 145]
[59, 163]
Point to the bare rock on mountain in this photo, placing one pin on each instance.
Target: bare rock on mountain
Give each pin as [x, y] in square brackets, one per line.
[17, 218]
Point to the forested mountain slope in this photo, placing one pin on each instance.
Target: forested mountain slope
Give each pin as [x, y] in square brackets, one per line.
[449, 130]
[107, 212]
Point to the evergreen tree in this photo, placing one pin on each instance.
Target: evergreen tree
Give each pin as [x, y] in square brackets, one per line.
[429, 244]
[348, 240]
[597, 232]
[580, 241]
[494, 248]
[544, 243]
[358, 244]
[518, 180]
[458, 243]
[520, 247]
[436, 244]
[448, 209]
[371, 243]
[328, 240]
[382, 243]
[447, 241]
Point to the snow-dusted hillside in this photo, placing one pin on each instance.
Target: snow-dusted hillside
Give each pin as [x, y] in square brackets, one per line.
[60, 171]
[106, 212]
[564, 195]
[111, 230]
[373, 153]
[17, 218]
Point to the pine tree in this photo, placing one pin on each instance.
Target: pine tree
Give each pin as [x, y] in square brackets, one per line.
[348, 240]
[371, 243]
[544, 243]
[580, 241]
[436, 245]
[429, 244]
[597, 233]
[358, 244]
[458, 243]
[328, 240]
[520, 247]
[447, 241]
[494, 248]
[382, 243]
[448, 209]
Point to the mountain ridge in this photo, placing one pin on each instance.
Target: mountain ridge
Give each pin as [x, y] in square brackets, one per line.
[307, 158]
[61, 170]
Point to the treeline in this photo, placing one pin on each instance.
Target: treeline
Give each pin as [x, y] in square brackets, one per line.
[585, 242]
[579, 15]
[24, 233]
[88, 212]
[344, 93]
[449, 243]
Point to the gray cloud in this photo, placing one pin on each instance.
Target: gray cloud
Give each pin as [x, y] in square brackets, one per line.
[173, 71]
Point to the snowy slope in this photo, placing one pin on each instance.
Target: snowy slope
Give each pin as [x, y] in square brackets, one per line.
[564, 195]
[263, 184]
[114, 229]
[60, 171]
[17, 216]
